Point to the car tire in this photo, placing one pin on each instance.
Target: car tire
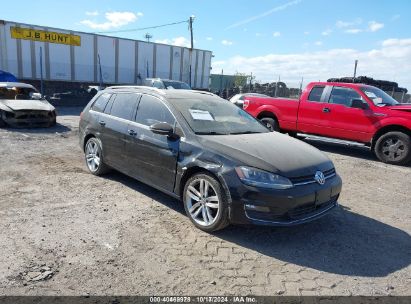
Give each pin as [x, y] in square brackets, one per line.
[2, 123]
[270, 123]
[93, 153]
[205, 202]
[393, 148]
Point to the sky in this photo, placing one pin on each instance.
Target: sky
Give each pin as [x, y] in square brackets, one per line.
[292, 39]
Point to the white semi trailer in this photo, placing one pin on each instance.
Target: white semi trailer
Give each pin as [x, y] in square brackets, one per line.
[74, 57]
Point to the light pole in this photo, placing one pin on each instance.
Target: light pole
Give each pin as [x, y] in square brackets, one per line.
[355, 69]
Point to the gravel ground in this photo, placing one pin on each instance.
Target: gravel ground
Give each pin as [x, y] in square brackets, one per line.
[67, 232]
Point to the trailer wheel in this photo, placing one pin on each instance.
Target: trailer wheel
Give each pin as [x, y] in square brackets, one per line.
[394, 148]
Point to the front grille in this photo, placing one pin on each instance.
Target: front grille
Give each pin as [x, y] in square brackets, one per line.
[31, 114]
[297, 213]
[303, 210]
[308, 179]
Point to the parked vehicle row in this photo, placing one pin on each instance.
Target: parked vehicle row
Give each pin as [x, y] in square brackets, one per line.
[347, 111]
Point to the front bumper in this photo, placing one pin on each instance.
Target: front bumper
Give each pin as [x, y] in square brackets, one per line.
[29, 118]
[298, 205]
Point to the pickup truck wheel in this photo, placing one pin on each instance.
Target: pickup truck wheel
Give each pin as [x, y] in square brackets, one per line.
[394, 148]
[270, 123]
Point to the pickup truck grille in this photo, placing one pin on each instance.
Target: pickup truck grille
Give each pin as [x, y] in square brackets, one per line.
[309, 179]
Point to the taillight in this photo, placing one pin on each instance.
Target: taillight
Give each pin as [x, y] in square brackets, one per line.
[245, 104]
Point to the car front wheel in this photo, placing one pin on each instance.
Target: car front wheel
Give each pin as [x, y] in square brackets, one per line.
[205, 202]
[394, 148]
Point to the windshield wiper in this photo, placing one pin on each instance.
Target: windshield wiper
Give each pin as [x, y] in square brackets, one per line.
[245, 132]
[211, 133]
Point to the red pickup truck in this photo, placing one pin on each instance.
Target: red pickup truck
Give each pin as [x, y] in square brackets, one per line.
[348, 111]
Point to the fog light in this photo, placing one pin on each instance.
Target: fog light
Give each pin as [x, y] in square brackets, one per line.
[257, 208]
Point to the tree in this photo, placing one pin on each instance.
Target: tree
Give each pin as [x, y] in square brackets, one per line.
[240, 79]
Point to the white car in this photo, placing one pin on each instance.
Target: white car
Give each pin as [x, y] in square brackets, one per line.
[21, 105]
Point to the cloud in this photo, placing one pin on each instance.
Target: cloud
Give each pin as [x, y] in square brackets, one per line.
[318, 43]
[226, 42]
[178, 41]
[265, 14]
[395, 17]
[327, 32]
[344, 24]
[113, 20]
[353, 31]
[306, 33]
[259, 34]
[209, 38]
[276, 34]
[374, 26]
[390, 61]
[94, 13]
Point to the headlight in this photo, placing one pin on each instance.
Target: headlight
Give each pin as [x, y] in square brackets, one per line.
[259, 178]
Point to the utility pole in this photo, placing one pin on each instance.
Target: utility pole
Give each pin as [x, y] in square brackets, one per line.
[355, 69]
[301, 87]
[251, 79]
[190, 27]
[148, 37]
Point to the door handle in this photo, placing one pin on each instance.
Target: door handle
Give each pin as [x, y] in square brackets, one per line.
[101, 122]
[132, 132]
[326, 110]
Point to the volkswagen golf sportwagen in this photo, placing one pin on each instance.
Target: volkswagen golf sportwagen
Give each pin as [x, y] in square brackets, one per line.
[223, 164]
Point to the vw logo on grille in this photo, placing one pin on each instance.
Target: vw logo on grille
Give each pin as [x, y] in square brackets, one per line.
[319, 177]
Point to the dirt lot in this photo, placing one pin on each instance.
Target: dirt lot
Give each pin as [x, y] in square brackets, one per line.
[67, 232]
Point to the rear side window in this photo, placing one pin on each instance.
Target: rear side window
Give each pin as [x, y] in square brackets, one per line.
[151, 110]
[315, 94]
[101, 102]
[124, 105]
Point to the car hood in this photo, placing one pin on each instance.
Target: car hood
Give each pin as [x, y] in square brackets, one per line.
[17, 105]
[273, 151]
[404, 108]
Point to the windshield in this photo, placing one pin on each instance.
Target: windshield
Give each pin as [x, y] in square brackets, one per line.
[176, 85]
[16, 93]
[379, 97]
[212, 115]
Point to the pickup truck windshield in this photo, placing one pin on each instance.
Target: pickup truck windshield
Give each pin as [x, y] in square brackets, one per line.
[215, 116]
[379, 97]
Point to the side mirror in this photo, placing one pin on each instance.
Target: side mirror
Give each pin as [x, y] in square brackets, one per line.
[36, 96]
[359, 104]
[162, 128]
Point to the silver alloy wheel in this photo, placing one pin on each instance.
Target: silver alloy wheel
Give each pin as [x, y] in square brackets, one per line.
[93, 155]
[202, 202]
[393, 148]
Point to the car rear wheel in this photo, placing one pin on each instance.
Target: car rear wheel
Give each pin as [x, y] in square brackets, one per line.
[205, 202]
[394, 148]
[94, 157]
[270, 123]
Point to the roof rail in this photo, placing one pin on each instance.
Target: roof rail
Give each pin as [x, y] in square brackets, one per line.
[137, 87]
